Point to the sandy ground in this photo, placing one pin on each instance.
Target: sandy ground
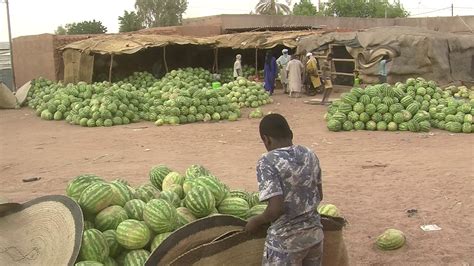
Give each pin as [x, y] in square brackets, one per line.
[373, 177]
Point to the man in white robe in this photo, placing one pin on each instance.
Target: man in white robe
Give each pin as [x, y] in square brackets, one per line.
[295, 70]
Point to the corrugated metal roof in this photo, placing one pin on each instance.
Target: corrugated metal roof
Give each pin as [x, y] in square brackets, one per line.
[5, 56]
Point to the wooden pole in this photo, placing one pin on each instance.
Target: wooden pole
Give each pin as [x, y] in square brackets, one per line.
[164, 58]
[110, 67]
[256, 63]
[217, 60]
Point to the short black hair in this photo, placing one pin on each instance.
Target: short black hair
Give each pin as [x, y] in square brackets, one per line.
[275, 126]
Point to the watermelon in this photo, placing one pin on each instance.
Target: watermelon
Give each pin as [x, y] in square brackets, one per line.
[239, 193]
[122, 193]
[376, 100]
[160, 216]
[364, 117]
[334, 125]
[370, 109]
[234, 206]
[158, 240]
[353, 116]
[413, 126]
[377, 117]
[406, 115]
[348, 126]
[349, 98]
[254, 199]
[425, 126]
[403, 126]
[413, 108]
[339, 116]
[94, 246]
[171, 197]
[110, 218]
[136, 257]
[214, 185]
[387, 117]
[392, 126]
[371, 125]
[344, 108]
[172, 178]
[134, 209]
[359, 107]
[364, 99]
[187, 185]
[196, 170]
[406, 101]
[328, 210]
[200, 201]
[467, 127]
[395, 108]
[185, 216]
[79, 184]
[454, 127]
[398, 118]
[114, 247]
[256, 210]
[391, 239]
[110, 262]
[96, 197]
[157, 174]
[147, 192]
[381, 126]
[132, 234]
[359, 125]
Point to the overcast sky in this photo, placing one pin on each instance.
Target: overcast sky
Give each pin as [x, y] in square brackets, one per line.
[30, 17]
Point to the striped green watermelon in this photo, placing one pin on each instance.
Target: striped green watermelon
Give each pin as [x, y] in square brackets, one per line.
[239, 193]
[147, 192]
[382, 108]
[371, 125]
[122, 193]
[413, 126]
[214, 185]
[94, 246]
[381, 126]
[348, 126]
[110, 218]
[339, 116]
[136, 257]
[359, 108]
[133, 234]
[406, 115]
[376, 100]
[196, 170]
[403, 126]
[392, 126]
[377, 117]
[157, 174]
[185, 216]
[254, 199]
[79, 184]
[359, 125]
[187, 185]
[349, 98]
[334, 125]
[158, 240]
[200, 201]
[114, 247]
[395, 108]
[370, 108]
[353, 116]
[407, 100]
[171, 198]
[413, 108]
[389, 100]
[425, 126]
[120, 259]
[89, 263]
[134, 209]
[357, 92]
[387, 117]
[364, 99]
[256, 210]
[364, 117]
[328, 209]
[96, 197]
[172, 178]
[178, 190]
[234, 206]
[344, 108]
[160, 216]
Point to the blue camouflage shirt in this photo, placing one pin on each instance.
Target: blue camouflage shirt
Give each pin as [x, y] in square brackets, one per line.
[293, 172]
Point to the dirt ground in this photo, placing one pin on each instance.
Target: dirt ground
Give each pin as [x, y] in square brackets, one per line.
[373, 177]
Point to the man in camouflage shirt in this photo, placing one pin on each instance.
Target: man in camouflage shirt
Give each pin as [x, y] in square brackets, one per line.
[289, 178]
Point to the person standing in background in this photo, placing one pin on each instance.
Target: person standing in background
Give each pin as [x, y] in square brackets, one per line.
[238, 66]
[269, 72]
[282, 62]
[326, 75]
[295, 70]
[312, 72]
[383, 69]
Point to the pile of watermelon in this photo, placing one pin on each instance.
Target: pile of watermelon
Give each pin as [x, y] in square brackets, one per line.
[247, 93]
[415, 106]
[182, 96]
[124, 224]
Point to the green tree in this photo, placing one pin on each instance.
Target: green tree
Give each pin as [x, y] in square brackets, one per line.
[86, 27]
[365, 8]
[60, 30]
[159, 13]
[273, 7]
[304, 8]
[130, 21]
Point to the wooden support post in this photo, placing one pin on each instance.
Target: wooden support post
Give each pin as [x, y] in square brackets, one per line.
[217, 60]
[110, 67]
[256, 63]
[164, 59]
